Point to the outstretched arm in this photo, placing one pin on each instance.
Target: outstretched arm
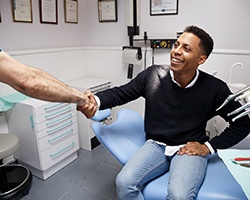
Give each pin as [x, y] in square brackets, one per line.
[37, 83]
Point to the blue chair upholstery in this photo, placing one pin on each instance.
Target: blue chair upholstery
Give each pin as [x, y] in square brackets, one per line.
[129, 124]
[126, 135]
[101, 115]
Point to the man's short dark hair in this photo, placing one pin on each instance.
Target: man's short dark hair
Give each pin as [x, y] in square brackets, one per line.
[207, 42]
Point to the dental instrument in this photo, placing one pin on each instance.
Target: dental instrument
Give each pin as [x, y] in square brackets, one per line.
[247, 112]
[241, 159]
[233, 96]
[239, 109]
[237, 161]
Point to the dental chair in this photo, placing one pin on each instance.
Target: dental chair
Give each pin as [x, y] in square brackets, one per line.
[15, 179]
[126, 135]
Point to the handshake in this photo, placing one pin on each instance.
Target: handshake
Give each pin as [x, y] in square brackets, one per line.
[90, 107]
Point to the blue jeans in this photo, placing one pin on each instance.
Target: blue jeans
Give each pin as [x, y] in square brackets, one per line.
[186, 173]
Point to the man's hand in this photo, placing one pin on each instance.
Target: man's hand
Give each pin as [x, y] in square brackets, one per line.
[89, 109]
[84, 100]
[194, 148]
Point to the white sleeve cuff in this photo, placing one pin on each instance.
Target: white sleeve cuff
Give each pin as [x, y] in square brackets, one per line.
[97, 101]
[210, 147]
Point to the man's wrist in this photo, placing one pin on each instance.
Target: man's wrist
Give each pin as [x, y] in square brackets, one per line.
[83, 99]
[98, 102]
[210, 148]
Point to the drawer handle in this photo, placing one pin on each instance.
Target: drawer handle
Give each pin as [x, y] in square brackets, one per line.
[58, 121]
[60, 127]
[62, 151]
[48, 109]
[60, 136]
[32, 121]
[58, 113]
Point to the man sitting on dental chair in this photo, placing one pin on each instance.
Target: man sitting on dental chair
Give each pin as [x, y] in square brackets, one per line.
[180, 99]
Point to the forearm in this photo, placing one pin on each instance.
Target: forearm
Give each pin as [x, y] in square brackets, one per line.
[111, 98]
[36, 83]
[119, 95]
[43, 86]
[232, 135]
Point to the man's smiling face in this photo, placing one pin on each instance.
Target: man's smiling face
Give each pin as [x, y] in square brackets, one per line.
[186, 54]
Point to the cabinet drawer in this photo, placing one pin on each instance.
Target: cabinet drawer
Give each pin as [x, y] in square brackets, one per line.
[51, 114]
[56, 123]
[53, 139]
[45, 107]
[58, 128]
[59, 151]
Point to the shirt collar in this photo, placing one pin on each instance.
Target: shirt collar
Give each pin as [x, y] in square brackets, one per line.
[190, 84]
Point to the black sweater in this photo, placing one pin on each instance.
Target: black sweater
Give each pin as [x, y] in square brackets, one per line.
[175, 115]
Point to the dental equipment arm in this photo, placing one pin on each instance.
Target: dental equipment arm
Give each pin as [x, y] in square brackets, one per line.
[234, 96]
[247, 112]
[243, 94]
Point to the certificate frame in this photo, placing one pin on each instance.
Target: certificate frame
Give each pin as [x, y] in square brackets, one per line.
[22, 11]
[164, 7]
[107, 10]
[71, 11]
[48, 11]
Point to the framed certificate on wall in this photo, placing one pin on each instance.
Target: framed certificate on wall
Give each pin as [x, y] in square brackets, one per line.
[107, 10]
[163, 7]
[71, 11]
[22, 10]
[48, 11]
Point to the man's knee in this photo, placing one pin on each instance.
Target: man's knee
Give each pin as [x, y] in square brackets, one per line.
[122, 182]
[127, 188]
[175, 193]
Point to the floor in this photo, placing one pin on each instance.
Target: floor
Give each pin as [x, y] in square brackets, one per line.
[90, 177]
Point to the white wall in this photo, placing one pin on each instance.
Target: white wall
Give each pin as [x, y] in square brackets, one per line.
[105, 33]
[25, 36]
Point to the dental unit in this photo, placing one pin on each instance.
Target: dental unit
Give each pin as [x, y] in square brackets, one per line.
[243, 94]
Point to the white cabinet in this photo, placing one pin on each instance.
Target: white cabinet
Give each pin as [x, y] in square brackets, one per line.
[87, 137]
[48, 135]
